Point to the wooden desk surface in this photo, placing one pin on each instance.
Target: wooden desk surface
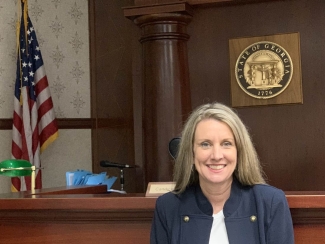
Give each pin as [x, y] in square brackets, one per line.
[93, 202]
[91, 215]
[74, 197]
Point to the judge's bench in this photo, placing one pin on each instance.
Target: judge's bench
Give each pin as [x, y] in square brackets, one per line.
[88, 214]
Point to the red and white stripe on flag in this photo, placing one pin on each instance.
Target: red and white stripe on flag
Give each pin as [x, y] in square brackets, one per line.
[34, 123]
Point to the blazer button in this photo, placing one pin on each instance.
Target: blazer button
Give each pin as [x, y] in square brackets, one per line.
[253, 218]
[186, 219]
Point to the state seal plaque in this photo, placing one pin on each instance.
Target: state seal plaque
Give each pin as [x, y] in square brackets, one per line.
[265, 70]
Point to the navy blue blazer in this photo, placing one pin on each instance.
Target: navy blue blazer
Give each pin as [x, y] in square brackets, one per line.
[256, 214]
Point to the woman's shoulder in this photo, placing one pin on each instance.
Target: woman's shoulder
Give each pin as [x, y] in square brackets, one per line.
[168, 197]
[173, 199]
[168, 200]
[168, 204]
[268, 193]
[267, 188]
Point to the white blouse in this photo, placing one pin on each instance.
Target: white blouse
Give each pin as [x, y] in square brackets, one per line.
[218, 233]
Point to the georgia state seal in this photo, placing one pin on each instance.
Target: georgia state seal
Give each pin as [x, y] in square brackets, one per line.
[264, 70]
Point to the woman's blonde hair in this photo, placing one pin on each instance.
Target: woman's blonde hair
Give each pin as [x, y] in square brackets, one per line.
[248, 170]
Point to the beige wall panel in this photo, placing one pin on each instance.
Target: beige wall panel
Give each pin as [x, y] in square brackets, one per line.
[62, 32]
[71, 151]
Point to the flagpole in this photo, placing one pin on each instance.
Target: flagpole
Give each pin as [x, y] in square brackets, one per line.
[33, 179]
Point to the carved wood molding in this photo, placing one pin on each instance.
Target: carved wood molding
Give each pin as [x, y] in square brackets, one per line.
[307, 216]
[55, 216]
[164, 26]
[6, 124]
[198, 3]
[82, 123]
[299, 216]
[102, 208]
[306, 199]
[178, 7]
[225, 2]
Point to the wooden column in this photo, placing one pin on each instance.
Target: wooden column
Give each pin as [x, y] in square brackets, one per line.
[166, 100]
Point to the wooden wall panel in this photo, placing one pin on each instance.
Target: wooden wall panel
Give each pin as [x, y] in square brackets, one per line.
[290, 139]
[111, 82]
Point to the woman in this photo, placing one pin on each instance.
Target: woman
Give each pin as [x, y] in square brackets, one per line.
[220, 194]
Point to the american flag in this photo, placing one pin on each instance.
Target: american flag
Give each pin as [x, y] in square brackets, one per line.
[34, 123]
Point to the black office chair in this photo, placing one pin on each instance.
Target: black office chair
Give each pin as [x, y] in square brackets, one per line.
[173, 146]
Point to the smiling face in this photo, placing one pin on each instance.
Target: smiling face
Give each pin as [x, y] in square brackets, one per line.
[215, 153]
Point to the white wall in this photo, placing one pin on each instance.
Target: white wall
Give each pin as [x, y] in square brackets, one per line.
[63, 35]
